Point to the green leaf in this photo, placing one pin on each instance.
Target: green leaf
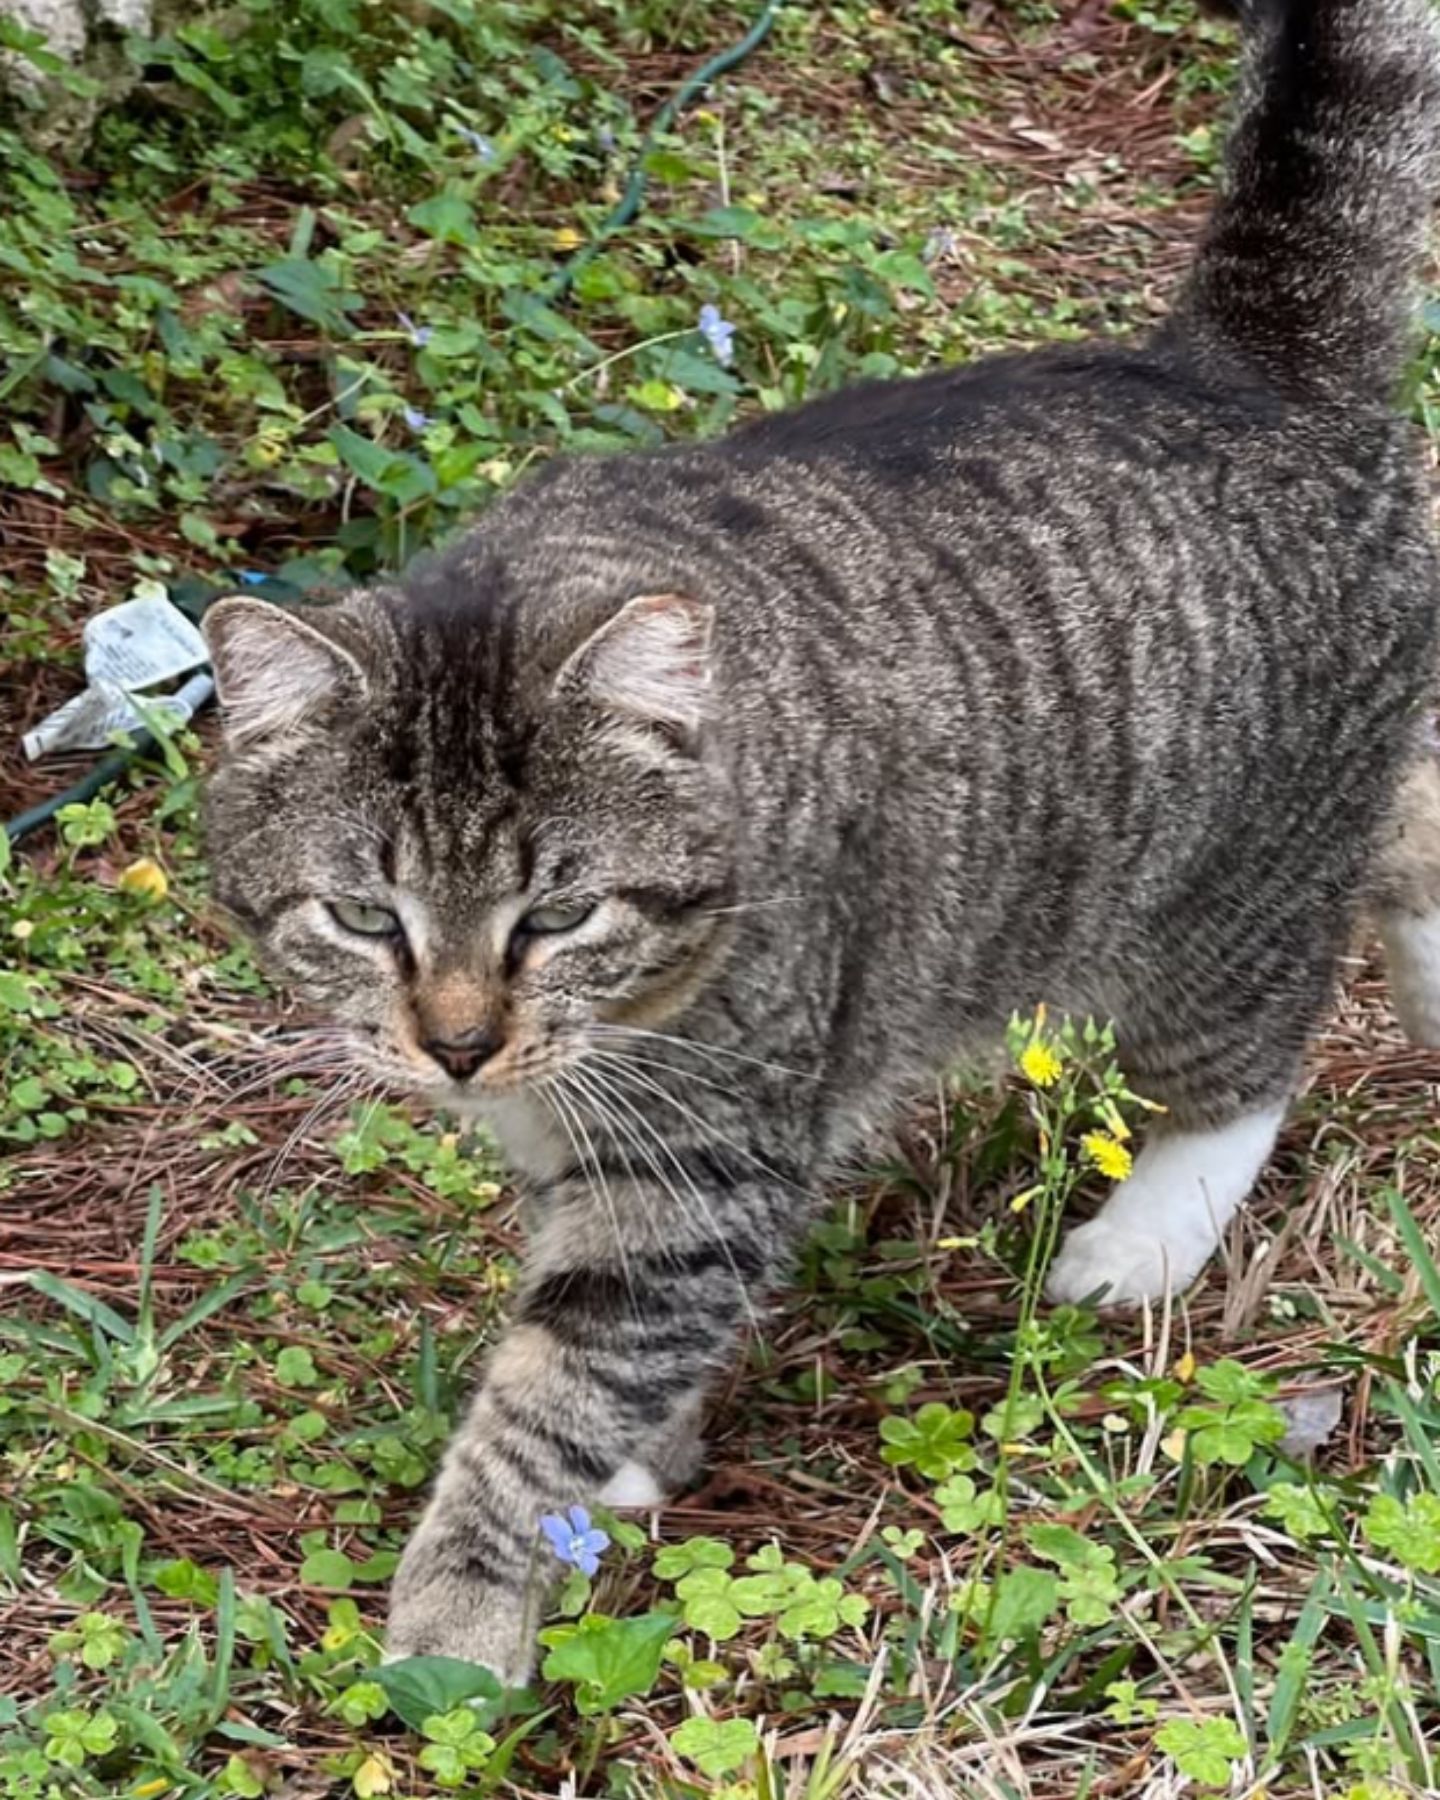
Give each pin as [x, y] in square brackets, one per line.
[717, 1746]
[396, 474]
[610, 1660]
[1232, 1381]
[1025, 1598]
[420, 1686]
[186, 1580]
[312, 291]
[675, 1561]
[16, 993]
[448, 217]
[1298, 1509]
[708, 1604]
[1203, 1748]
[361, 1702]
[295, 1367]
[328, 1569]
[1409, 1529]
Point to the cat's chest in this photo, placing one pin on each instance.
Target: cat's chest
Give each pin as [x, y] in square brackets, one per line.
[530, 1138]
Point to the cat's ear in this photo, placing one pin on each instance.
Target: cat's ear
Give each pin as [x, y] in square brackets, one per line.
[273, 671]
[650, 663]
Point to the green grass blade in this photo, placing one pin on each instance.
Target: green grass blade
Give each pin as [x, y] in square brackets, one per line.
[204, 1308]
[1419, 1251]
[1293, 1672]
[85, 1306]
[224, 1641]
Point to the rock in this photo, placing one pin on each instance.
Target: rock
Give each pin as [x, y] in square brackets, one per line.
[88, 36]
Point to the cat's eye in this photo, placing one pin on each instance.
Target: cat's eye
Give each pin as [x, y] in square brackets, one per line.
[551, 921]
[363, 919]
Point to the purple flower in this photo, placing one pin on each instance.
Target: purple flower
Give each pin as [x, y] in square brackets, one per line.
[574, 1541]
[483, 146]
[718, 333]
[605, 138]
[415, 419]
[419, 335]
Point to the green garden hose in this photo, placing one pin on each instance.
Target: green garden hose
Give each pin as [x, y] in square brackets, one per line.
[632, 198]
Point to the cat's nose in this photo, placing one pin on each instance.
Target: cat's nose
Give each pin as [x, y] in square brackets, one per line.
[462, 1053]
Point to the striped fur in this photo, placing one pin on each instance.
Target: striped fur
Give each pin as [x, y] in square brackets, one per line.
[718, 795]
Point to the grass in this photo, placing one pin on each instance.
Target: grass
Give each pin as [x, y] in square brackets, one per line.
[289, 318]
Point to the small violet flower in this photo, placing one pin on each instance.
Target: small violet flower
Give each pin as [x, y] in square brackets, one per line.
[718, 333]
[574, 1540]
[605, 138]
[251, 577]
[483, 146]
[415, 419]
[419, 335]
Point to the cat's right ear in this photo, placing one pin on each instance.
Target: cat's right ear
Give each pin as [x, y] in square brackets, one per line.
[273, 671]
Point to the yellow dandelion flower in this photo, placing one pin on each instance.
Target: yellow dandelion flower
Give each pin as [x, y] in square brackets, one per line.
[1109, 1156]
[1040, 1064]
[567, 238]
[145, 877]
[1184, 1369]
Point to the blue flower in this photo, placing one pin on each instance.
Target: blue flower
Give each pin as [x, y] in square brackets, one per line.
[483, 146]
[718, 333]
[251, 577]
[415, 419]
[419, 335]
[574, 1541]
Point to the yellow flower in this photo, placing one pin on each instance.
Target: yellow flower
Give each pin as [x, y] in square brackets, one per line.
[1184, 1369]
[1109, 1156]
[145, 877]
[1040, 1064]
[568, 238]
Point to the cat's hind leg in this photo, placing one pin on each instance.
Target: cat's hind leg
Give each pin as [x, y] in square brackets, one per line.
[1407, 903]
[1161, 1225]
[1213, 1033]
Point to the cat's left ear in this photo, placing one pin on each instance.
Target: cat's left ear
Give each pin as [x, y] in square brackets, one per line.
[650, 663]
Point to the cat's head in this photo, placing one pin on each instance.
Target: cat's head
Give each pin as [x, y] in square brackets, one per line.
[479, 837]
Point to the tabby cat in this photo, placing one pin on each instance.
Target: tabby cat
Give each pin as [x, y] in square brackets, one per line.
[680, 817]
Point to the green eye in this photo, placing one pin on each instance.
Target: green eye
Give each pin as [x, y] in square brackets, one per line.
[550, 921]
[363, 919]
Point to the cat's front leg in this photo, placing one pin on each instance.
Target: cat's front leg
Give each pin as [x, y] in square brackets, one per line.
[610, 1348]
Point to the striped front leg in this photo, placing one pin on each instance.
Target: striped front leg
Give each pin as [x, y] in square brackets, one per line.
[615, 1336]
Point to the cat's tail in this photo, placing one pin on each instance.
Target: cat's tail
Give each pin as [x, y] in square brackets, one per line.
[1310, 262]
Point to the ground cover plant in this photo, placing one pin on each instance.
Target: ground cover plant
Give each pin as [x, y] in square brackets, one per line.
[293, 312]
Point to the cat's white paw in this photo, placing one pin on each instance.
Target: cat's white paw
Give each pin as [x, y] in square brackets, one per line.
[632, 1485]
[1128, 1264]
